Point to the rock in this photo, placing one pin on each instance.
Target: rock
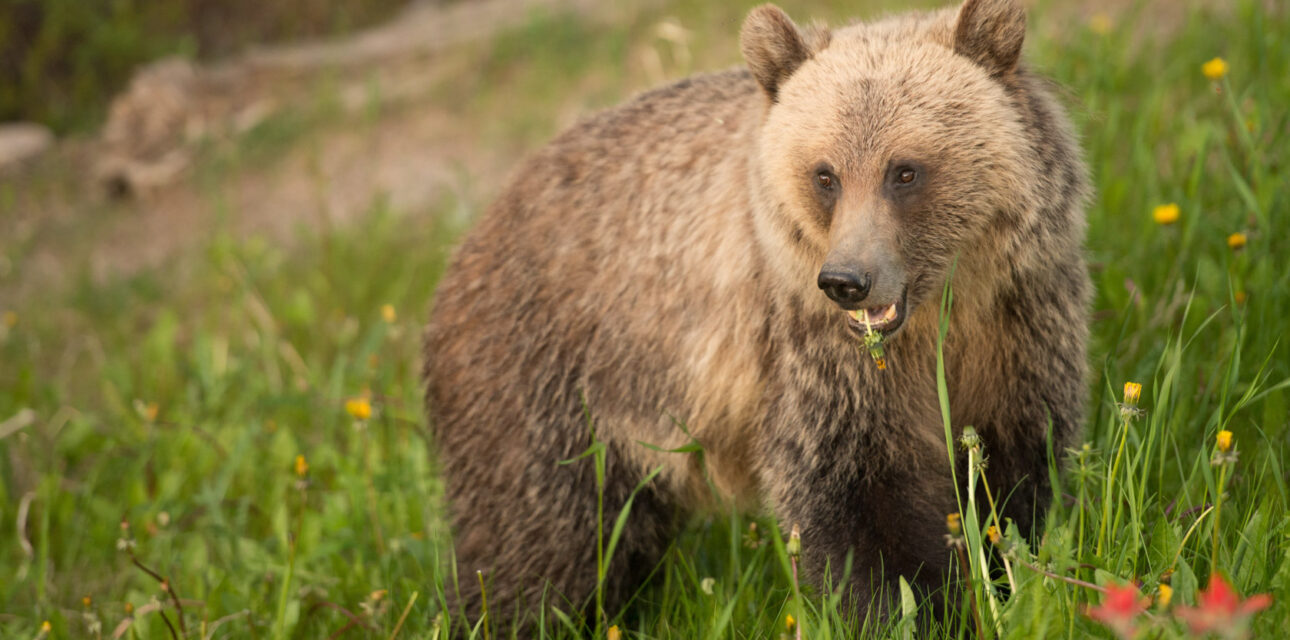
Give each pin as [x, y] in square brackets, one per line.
[143, 144]
[21, 142]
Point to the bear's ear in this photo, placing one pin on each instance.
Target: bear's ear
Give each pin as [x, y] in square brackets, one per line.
[774, 47]
[990, 32]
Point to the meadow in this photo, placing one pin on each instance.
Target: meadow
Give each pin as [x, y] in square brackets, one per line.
[232, 445]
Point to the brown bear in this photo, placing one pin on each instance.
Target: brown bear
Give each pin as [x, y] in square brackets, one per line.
[694, 264]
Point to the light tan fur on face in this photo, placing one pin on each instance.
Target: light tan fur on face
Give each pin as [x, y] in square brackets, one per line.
[864, 101]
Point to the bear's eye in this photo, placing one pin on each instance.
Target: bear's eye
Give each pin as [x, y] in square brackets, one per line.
[905, 175]
[826, 180]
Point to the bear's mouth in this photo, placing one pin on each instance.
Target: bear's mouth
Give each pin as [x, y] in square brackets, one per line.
[884, 319]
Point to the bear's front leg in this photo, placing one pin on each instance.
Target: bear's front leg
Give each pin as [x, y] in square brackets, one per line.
[880, 500]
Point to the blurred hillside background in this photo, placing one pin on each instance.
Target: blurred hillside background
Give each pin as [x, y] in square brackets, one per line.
[62, 60]
[221, 224]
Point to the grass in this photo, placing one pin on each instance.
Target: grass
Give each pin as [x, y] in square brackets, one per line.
[177, 400]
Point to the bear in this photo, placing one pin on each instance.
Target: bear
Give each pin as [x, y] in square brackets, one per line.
[704, 263]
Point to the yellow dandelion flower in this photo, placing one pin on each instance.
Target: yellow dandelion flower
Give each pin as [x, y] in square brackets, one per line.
[388, 314]
[954, 522]
[1132, 393]
[1166, 213]
[45, 627]
[1214, 69]
[1239, 296]
[993, 534]
[613, 633]
[1100, 24]
[150, 411]
[10, 318]
[1224, 440]
[378, 594]
[359, 408]
[1236, 241]
[129, 609]
[87, 601]
[302, 466]
[789, 622]
[1166, 594]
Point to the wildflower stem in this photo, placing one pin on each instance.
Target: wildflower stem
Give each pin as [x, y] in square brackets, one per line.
[483, 597]
[1218, 512]
[1083, 499]
[406, 610]
[974, 466]
[1107, 496]
[370, 486]
[994, 513]
[169, 626]
[1068, 580]
[601, 569]
[293, 539]
[967, 574]
[1190, 530]
[165, 586]
[1247, 141]
[797, 598]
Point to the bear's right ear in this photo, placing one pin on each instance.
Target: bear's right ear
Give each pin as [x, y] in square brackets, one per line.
[991, 32]
[774, 47]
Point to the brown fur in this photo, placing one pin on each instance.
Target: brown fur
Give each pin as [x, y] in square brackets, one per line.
[657, 265]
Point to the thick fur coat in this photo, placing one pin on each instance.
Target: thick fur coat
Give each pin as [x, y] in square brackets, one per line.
[696, 257]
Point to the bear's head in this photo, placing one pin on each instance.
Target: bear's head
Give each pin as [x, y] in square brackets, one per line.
[889, 151]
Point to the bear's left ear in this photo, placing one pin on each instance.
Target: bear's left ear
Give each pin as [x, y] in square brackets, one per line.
[990, 32]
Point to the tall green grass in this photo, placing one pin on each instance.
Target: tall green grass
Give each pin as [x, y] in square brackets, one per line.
[177, 400]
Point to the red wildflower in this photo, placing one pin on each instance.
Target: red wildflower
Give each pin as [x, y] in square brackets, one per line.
[1120, 609]
[1220, 609]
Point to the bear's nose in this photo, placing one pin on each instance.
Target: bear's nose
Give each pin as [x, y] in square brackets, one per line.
[846, 289]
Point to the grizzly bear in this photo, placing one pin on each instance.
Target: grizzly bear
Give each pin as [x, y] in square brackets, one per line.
[703, 264]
